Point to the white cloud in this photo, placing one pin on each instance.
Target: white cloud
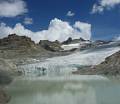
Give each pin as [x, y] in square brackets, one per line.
[84, 29]
[104, 4]
[97, 9]
[4, 30]
[117, 38]
[57, 30]
[28, 21]
[12, 8]
[70, 14]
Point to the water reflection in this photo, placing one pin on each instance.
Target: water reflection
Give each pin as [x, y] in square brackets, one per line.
[86, 90]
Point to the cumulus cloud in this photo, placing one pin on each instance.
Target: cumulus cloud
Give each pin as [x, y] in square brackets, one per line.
[70, 14]
[4, 30]
[84, 29]
[104, 4]
[57, 30]
[12, 8]
[28, 21]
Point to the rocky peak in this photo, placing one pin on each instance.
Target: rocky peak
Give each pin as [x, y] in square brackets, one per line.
[81, 39]
[15, 41]
[51, 46]
[72, 41]
[68, 41]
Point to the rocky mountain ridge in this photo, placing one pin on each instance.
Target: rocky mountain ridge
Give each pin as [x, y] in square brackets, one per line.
[54, 46]
[72, 41]
[14, 41]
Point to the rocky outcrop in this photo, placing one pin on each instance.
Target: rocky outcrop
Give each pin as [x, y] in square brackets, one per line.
[68, 41]
[7, 70]
[86, 45]
[72, 41]
[15, 46]
[4, 98]
[51, 46]
[14, 41]
[101, 42]
[80, 44]
[111, 66]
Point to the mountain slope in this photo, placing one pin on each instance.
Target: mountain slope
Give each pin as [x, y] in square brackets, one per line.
[111, 66]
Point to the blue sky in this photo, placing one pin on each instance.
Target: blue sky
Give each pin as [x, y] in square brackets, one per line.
[105, 22]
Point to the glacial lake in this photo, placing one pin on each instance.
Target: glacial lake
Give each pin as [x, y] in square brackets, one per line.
[65, 90]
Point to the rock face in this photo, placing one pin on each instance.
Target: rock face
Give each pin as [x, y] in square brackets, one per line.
[7, 70]
[101, 42]
[68, 41]
[15, 46]
[111, 66]
[72, 41]
[80, 43]
[14, 41]
[51, 46]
